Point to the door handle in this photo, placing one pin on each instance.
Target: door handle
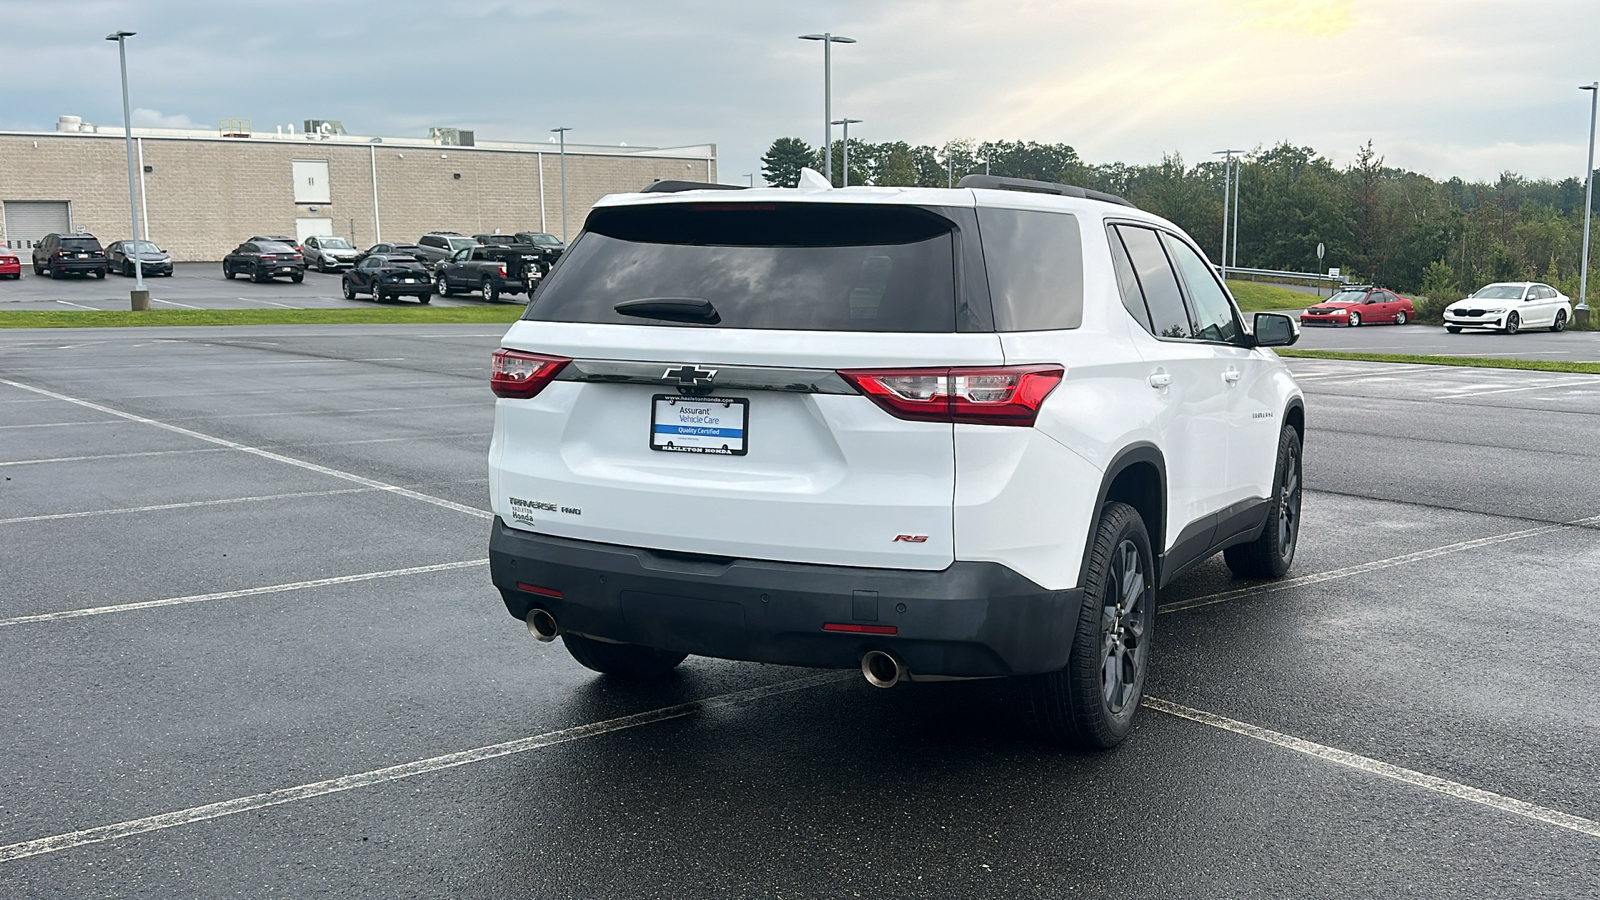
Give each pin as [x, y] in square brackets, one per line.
[1231, 375]
[1160, 380]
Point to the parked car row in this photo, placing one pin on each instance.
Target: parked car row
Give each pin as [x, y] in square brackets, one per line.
[1505, 306]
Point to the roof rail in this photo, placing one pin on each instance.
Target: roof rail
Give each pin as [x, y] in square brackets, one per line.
[997, 183]
[674, 187]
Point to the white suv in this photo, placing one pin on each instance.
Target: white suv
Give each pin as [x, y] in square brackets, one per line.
[931, 433]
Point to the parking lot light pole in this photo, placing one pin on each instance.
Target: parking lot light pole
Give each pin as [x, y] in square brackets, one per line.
[828, 40]
[1581, 314]
[1227, 196]
[140, 297]
[562, 133]
[846, 123]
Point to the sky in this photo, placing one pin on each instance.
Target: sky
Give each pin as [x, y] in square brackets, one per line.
[1468, 88]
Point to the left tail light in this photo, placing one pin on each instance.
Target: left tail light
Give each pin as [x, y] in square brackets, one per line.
[990, 395]
[518, 375]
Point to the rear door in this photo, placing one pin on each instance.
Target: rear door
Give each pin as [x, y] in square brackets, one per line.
[708, 416]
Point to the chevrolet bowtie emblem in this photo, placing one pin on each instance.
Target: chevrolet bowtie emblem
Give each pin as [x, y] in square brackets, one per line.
[690, 375]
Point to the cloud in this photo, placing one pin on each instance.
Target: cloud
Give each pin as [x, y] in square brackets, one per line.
[153, 118]
[1312, 18]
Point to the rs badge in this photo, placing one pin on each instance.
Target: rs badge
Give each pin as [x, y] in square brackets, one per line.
[910, 539]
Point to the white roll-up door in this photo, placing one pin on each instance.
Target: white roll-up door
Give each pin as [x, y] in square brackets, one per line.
[27, 221]
[308, 227]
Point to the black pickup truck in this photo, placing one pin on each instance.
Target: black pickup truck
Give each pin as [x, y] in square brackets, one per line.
[494, 270]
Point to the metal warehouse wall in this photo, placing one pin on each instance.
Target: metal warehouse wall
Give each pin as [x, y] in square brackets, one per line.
[206, 196]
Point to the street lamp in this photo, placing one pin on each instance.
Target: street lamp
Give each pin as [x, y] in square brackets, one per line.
[562, 133]
[1227, 196]
[828, 40]
[1582, 312]
[846, 123]
[140, 298]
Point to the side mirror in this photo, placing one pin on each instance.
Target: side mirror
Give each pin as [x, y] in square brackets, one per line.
[1275, 330]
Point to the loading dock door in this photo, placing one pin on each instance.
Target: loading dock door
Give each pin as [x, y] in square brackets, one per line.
[28, 221]
[304, 228]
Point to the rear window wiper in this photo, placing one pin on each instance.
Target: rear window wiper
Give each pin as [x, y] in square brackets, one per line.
[679, 309]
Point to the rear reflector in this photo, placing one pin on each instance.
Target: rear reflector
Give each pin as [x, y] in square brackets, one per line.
[997, 395]
[860, 629]
[535, 589]
[518, 375]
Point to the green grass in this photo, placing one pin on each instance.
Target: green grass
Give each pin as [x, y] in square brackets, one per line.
[375, 315]
[1254, 297]
[1536, 365]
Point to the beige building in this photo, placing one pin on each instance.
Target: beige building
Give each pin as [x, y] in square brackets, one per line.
[206, 191]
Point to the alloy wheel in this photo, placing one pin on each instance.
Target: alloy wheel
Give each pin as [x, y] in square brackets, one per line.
[1355, 319]
[1289, 504]
[1513, 322]
[1123, 650]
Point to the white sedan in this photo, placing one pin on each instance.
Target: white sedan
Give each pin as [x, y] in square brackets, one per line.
[1509, 306]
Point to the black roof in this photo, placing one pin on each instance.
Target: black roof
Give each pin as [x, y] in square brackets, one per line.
[997, 183]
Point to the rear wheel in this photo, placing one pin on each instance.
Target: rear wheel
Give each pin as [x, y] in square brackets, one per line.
[100, 273]
[1270, 555]
[1091, 702]
[490, 292]
[298, 277]
[1400, 317]
[378, 294]
[1355, 319]
[424, 298]
[1560, 323]
[622, 660]
[1513, 322]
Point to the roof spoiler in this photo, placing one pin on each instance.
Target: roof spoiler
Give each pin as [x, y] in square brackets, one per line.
[997, 183]
[674, 187]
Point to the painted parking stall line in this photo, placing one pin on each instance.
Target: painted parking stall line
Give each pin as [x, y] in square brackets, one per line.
[176, 818]
[58, 459]
[264, 454]
[1376, 767]
[234, 595]
[192, 504]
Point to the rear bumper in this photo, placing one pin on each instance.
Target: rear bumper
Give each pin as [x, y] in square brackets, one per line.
[973, 619]
[78, 266]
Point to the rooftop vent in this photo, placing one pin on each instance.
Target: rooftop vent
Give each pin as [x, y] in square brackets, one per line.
[452, 137]
[323, 128]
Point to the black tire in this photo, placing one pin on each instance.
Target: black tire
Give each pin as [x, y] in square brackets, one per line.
[1453, 329]
[441, 285]
[1355, 319]
[1561, 321]
[1271, 554]
[378, 295]
[491, 293]
[100, 274]
[1400, 317]
[298, 277]
[622, 660]
[424, 298]
[349, 291]
[127, 271]
[227, 272]
[1078, 705]
[322, 265]
[38, 270]
[1513, 324]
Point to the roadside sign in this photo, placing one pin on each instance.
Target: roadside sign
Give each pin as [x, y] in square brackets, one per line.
[1333, 273]
[1321, 251]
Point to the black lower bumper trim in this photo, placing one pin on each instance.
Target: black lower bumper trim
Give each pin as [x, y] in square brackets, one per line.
[973, 619]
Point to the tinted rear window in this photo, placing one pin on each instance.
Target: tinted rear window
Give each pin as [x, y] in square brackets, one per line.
[799, 266]
[1035, 264]
[80, 243]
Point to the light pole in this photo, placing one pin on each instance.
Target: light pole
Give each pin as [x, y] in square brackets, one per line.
[562, 133]
[752, 177]
[1227, 196]
[1238, 180]
[828, 40]
[1582, 312]
[140, 298]
[846, 123]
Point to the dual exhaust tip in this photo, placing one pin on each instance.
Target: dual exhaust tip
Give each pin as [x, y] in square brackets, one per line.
[881, 668]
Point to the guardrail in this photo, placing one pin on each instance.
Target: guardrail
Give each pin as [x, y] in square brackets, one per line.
[1279, 276]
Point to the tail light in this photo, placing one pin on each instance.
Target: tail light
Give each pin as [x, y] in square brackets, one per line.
[296, 256]
[502, 270]
[997, 395]
[518, 375]
[267, 256]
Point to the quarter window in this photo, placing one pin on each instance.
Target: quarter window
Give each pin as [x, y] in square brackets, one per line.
[1168, 318]
[1035, 265]
[1212, 311]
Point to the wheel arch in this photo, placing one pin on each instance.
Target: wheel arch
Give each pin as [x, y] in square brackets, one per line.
[1294, 415]
[1136, 476]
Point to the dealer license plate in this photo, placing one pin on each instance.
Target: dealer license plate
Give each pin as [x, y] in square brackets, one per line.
[700, 424]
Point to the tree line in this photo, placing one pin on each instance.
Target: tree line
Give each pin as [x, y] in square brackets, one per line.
[1399, 228]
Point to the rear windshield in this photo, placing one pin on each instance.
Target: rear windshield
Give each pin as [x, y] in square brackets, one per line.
[80, 243]
[791, 266]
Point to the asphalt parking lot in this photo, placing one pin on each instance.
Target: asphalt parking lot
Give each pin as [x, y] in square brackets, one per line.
[194, 286]
[249, 647]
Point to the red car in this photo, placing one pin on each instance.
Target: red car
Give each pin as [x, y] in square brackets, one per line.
[1359, 304]
[10, 265]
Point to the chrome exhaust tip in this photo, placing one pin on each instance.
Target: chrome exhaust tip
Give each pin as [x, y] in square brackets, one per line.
[542, 625]
[882, 669]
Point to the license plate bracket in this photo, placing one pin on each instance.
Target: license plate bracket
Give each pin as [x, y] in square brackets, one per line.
[714, 425]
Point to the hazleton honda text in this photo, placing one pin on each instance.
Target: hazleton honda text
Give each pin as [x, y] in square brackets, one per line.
[964, 433]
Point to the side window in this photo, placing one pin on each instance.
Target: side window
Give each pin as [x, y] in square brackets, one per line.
[1035, 264]
[1212, 311]
[1168, 318]
[1127, 282]
[479, 254]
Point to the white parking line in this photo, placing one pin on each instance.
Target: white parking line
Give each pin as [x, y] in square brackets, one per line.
[174, 303]
[1374, 566]
[233, 595]
[57, 424]
[1536, 387]
[189, 505]
[1372, 766]
[56, 459]
[267, 302]
[209, 811]
[264, 454]
[80, 306]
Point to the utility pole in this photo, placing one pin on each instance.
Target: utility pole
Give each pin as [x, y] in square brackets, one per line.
[828, 39]
[846, 123]
[562, 132]
[1582, 312]
[1227, 196]
[140, 298]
